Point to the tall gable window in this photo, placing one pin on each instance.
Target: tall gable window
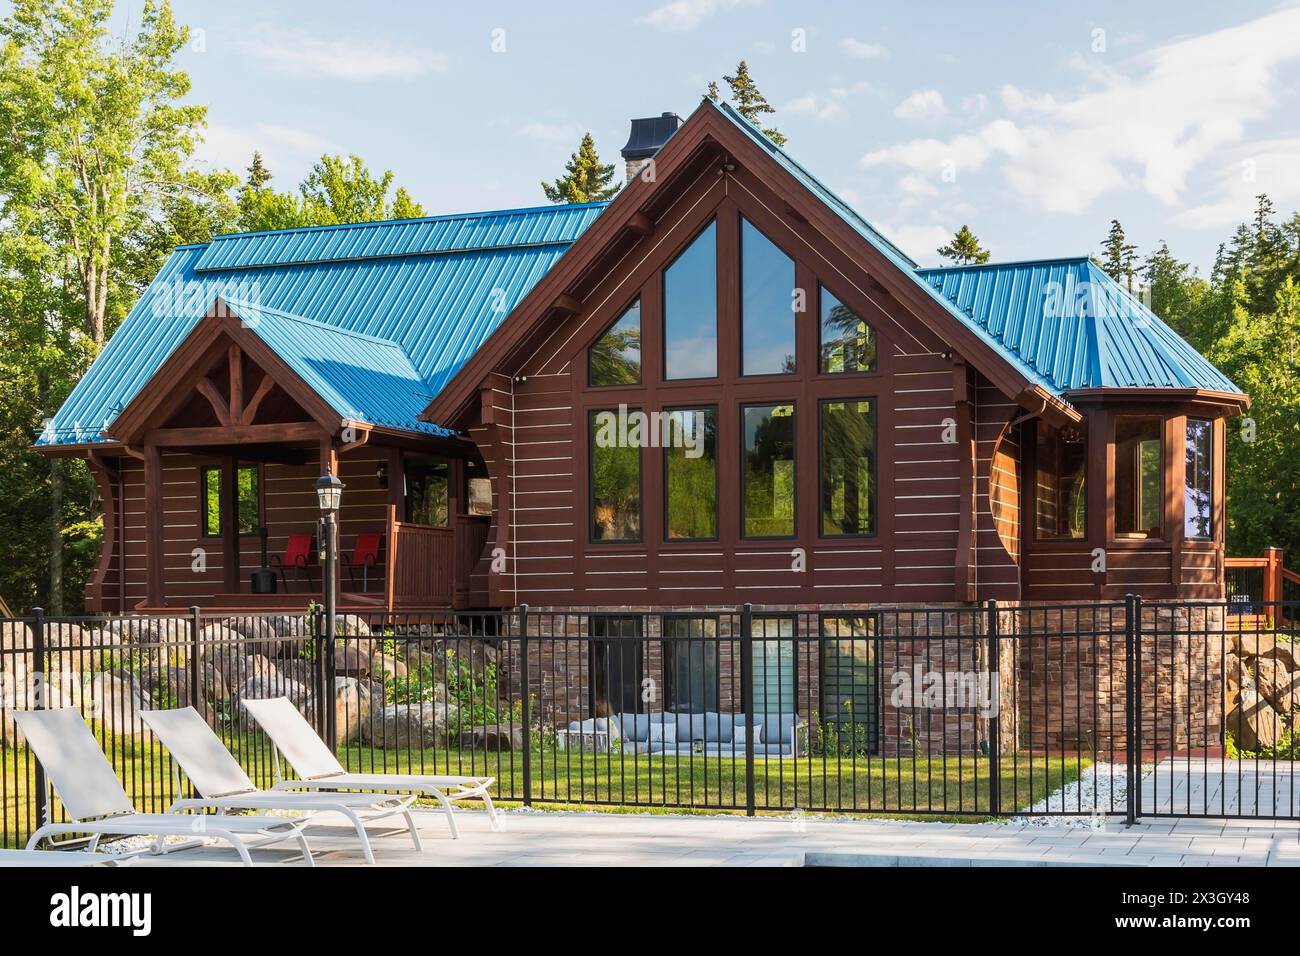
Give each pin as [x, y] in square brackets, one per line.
[766, 305]
[767, 503]
[691, 310]
[848, 344]
[615, 359]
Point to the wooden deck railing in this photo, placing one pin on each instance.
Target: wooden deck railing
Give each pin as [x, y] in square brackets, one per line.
[1262, 581]
[421, 565]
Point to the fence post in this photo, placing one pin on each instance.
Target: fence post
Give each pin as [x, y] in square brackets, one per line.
[330, 718]
[995, 723]
[194, 660]
[1132, 693]
[321, 641]
[747, 699]
[525, 708]
[39, 685]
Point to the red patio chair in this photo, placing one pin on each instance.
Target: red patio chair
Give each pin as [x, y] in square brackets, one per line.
[299, 556]
[364, 556]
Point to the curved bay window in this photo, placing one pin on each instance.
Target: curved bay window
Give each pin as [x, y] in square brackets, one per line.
[1139, 476]
[1198, 493]
[1060, 485]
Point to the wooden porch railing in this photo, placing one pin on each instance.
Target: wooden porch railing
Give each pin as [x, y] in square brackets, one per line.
[421, 562]
[1261, 580]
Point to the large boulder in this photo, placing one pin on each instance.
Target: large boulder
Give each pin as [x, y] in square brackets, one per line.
[170, 687]
[235, 666]
[351, 661]
[352, 707]
[409, 726]
[273, 685]
[493, 737]
[350, 625]
[1253, 724]
[1280, 687]
[259, 636]
[386, 667]
[1262, 644]
[74, 648]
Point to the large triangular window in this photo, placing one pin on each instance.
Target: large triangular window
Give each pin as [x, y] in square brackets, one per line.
[615, 359]
[848, 344]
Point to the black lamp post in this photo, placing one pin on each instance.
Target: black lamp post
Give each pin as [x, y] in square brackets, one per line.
[329, 493]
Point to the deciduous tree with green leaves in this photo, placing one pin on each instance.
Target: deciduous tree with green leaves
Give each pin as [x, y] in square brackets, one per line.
[585, 179]
[336, 191]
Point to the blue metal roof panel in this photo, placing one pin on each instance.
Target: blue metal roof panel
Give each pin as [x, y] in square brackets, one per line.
[513, 228]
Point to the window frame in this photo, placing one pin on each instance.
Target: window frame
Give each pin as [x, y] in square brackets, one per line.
[740, 422]
[638, 301]
[873, 642]
[220, 470]
[1032, 483]
[668, 651]
[592, 412]
[664, 378]
[875, 337]
[1210, 456]
[793, 641]
[717, 474]
[741, 374]
[1162, 434]
[874, 531]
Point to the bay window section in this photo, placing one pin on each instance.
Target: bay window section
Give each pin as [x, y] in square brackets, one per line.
[1139, 477]
[848, 344]
[768, 493]
[1060, 480]
[615, 480]
[615, 359]
[690, 324]
[1198, 493]
[766, 305]
[691, 474]
[848, 467]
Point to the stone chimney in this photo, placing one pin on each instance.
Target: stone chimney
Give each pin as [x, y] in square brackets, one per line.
[645, 139]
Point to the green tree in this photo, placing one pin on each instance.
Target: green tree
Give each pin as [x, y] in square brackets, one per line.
[336, 191]
[1119, 257]
[585, 178]
[748, 100]
[965, 249]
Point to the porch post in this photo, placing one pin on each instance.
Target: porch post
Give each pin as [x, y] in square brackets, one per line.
[153, 526]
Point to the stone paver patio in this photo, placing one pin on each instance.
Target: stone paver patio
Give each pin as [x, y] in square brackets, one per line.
[551, 838]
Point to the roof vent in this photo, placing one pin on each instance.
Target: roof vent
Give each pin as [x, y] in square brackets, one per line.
[647, 136]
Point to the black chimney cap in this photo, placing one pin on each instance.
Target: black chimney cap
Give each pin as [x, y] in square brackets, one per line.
[649, 134]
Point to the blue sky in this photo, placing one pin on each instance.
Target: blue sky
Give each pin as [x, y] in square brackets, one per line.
[1035, 124]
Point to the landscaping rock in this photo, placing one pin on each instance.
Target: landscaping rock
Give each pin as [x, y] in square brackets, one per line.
[1253, 723]
[272, 685]
[235, 666]
[115, 700]
[1250, 644]
[350, 625]
[351, 661]
[1280, 687]
[493, 737]
[352, 706]
[387, 667]
[409, 726]
[259, 636]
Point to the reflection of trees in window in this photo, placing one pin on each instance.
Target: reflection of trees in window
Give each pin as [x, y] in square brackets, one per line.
[615, 359]
[1199, 488]
[615, 489]
[768, 497]
[248, 482]
[1138, 477]
[427, 500]
[691, 483]
[690, 664]
[691, 310]
[250, 499]
[848, 344]
[1060, 482]
[848, 448]
[766, 305]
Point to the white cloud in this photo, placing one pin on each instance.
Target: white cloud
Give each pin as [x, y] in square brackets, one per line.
[918, 240]
[1265, 167]
[861, 50]
[821, 109]
[976, 105]
[552, 132]
[299, 54]
[683, 16]
[288, 152]
[922, 105]
[1146, 124]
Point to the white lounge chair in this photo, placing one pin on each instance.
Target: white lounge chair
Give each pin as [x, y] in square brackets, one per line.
[44, 858]
[97, 805]
[222, 783]
[318, 769]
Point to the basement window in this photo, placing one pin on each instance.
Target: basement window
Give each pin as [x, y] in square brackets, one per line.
[1139, 477]
[211, 482]
[1060, 485]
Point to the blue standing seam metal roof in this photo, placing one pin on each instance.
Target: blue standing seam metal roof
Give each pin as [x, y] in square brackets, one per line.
[1075, 326]
[434, 288]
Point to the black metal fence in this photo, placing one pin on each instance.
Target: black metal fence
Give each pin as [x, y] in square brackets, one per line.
[1102, 709]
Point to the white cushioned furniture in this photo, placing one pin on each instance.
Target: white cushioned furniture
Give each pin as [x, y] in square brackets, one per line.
[779, 735]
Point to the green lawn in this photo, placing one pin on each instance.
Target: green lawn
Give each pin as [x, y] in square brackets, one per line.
[949, 789]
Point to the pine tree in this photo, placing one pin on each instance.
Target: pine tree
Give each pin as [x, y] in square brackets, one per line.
[258, 174]
[965, 249]
[749, 102]
[585, 178]
[1119, 259]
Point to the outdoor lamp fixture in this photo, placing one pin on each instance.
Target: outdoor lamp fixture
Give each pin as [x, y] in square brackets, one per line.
[329, 492]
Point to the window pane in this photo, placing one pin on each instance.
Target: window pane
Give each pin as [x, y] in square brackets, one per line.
[1197, 520]
[1138, 477]
[616, 665]
[427, 501]
[690, 664]
[774, 666]
[691, 474]
[848, 343]
[691, 310]
[615, 481]
[1060, 495]
[768, 500]
[211, 493]
[766, 305]
[848, 439]
[250, 499]
[848, 679]
[615, 359]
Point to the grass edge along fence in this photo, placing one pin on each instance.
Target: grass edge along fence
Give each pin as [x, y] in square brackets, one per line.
[953, 712]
